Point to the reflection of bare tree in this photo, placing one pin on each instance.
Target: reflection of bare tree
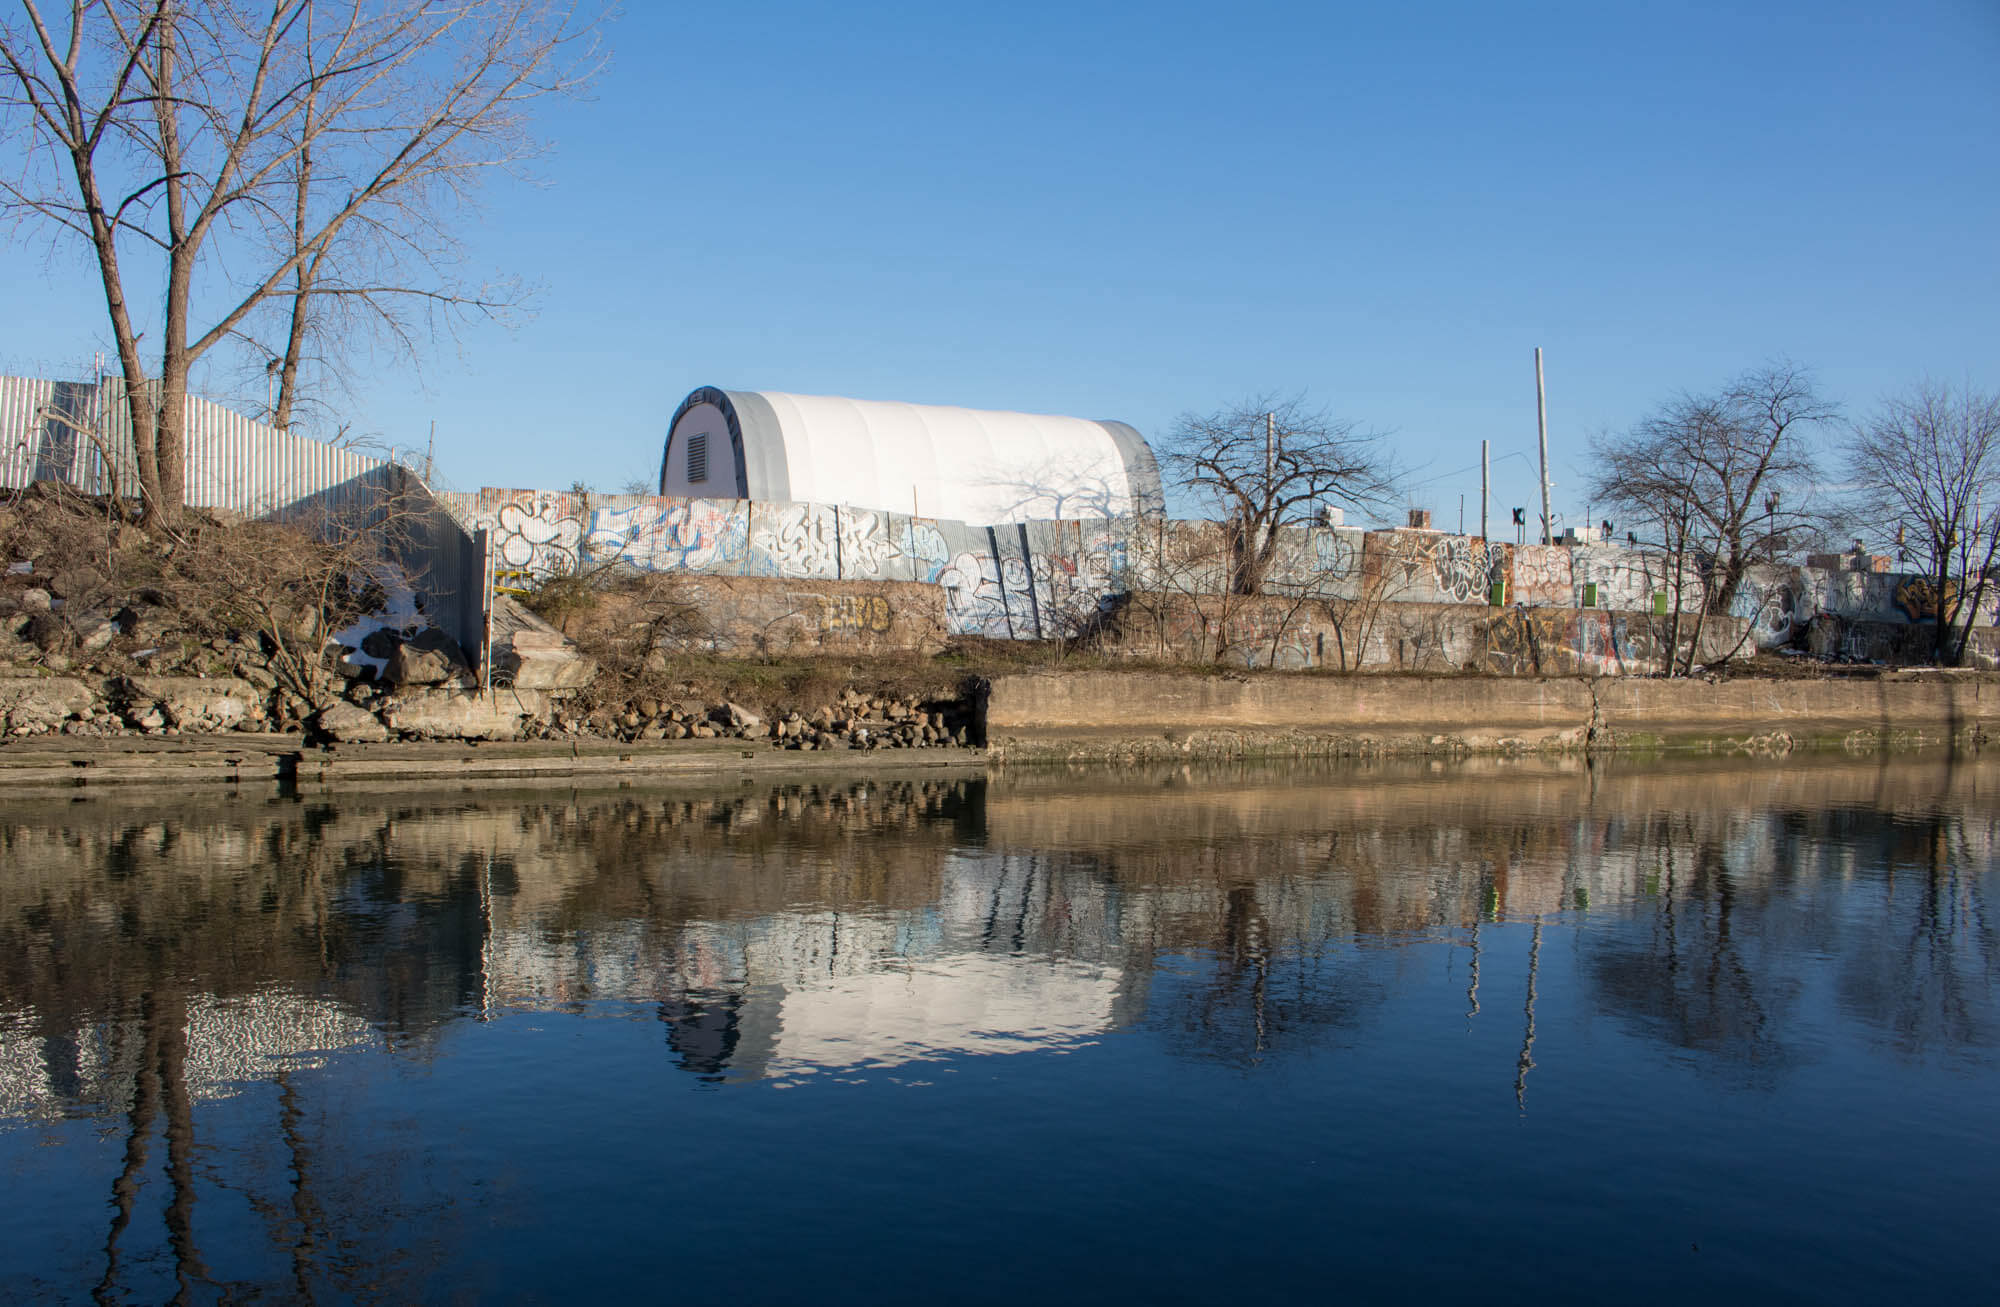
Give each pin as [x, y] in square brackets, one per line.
[138, 1138]
[1526, 1061]
[1924, 984]
[1689, 980]
[307, 1216]
[1218, 910]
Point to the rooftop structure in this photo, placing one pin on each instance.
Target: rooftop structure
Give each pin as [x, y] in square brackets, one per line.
[927, 460]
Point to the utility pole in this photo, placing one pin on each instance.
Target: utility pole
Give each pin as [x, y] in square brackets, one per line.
[1542, 426]
[1270, 449]
[1485, 478]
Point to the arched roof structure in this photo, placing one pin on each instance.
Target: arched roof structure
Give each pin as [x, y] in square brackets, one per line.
[929, 460]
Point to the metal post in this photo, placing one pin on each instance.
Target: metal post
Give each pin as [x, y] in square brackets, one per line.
[1485, 479]
[1542, 426]
[1270, 450]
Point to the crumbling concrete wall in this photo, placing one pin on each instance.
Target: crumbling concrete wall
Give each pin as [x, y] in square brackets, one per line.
[774, 616]
[764, 616]
[1367, 635]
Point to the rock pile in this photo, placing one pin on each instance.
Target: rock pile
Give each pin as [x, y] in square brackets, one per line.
[82, 654]
[854, 721]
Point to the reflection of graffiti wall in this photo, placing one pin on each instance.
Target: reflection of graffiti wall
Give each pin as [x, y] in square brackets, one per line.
[1041, 580]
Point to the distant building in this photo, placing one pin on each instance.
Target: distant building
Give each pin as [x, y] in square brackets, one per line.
[971, 465]
[1855, 561]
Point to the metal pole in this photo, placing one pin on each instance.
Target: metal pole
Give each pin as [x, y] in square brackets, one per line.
[1485, 479]
[1542, 426]
[1270, 449]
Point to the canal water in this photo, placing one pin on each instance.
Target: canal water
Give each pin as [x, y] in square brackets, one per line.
[1496, 1031]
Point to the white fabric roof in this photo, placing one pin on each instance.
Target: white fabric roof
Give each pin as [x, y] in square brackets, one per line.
[973, 465]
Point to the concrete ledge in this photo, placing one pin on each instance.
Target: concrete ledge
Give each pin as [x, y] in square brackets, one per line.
[1115, 717]
[39, 766]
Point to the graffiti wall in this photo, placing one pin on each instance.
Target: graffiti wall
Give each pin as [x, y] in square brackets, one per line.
[1054, 579]
[1543, 577]
[1433, 568]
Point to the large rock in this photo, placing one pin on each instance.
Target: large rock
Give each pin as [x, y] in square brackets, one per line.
[49, 633]
[94, 631]
[450, 715]
[543, 660]
[194, 703]
[345, 723]
[430, 657]
[31, 705]
[78, 584]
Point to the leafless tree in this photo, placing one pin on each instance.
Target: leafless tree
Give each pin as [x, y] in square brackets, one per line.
[1643, 476]
[1928, 463]
[1268, 464]
[1179, 590]
[303, 153]
[1721, 481]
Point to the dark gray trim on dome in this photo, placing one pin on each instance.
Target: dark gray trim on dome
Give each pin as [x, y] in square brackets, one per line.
[756, 441]
[1142, 470]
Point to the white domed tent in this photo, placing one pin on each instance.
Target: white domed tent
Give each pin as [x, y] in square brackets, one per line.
[971, 465]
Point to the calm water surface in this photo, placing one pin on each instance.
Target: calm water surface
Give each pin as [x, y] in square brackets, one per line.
[1491, 1031]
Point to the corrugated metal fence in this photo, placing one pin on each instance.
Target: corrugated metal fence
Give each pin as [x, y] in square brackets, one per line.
[80, 433]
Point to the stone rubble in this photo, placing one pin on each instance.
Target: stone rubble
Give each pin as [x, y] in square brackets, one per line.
[132, 671]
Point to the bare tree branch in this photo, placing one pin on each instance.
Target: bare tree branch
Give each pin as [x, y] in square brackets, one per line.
[1928, 465]
[1270, 463]
[273, 154]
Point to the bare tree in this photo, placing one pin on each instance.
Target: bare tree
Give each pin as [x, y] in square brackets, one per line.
[1724, 480]
[1928, 463]
[1643, 475]
[1268, 464]
[225, 150]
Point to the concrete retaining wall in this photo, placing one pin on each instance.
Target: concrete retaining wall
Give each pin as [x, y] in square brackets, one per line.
[1367, 634]
[1085, 716]
[753, 615]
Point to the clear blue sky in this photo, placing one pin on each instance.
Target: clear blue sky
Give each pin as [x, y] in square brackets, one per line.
[1131, 210]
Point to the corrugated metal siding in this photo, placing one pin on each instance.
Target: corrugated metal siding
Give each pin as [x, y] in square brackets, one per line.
[242, 466]
[234, 463]
[47, 430]
[238, 465]
[21, 402]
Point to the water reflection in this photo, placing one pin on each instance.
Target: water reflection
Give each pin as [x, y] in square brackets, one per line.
[779, 930]
[155, 957]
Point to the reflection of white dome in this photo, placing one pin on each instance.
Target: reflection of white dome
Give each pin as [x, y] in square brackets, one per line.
[971, 465]
[966, 1003]
[230, 1043]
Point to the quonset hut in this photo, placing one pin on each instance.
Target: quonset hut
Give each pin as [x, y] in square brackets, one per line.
[928, 460]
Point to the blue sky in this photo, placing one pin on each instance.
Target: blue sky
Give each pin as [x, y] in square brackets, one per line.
[1132, 211]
